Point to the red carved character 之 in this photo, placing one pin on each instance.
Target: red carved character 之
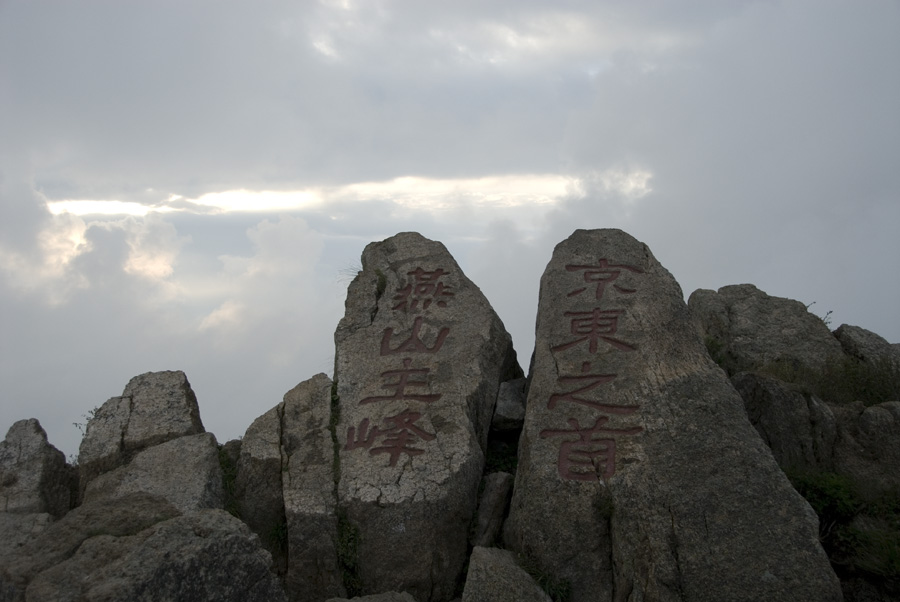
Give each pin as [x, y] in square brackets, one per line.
[588, 382]
[589, 455]
[595, 325]
[603, 273]
[414, 343]
[426, 288]
[399, 434]
[404, 380]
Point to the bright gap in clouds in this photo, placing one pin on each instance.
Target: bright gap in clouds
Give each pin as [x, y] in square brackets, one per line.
[414, 192]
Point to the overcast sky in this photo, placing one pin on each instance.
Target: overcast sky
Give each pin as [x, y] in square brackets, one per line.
[189, 184]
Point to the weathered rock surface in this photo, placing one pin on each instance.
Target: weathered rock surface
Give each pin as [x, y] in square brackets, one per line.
[385, 597]
[58, 541]
[185, 471]
[509, 415]
[310, 503]
[492, 506]
[419, 358]
[154, 408]
[206, 555]
[752, 329]
[867, 346]
[258, 488]
[799, 428]
[34, 477]
[639, 475]
[494, 576]
[867, 448]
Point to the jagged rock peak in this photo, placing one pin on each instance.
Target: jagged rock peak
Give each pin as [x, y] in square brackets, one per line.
[639, 475]
[420, 355]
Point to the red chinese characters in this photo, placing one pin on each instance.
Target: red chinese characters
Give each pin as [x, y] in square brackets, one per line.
[588, 453]
[397, 437]
[399, 434]
[425, 288]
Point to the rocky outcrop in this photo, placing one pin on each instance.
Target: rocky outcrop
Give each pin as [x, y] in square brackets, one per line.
[316, 537]
[867, 347]
[509, 415]
[494, 576]
[185, 471]
[639, 475]
[799, 428]
[635, 471]
[493, 504]
[154, 408]
[867, 449]
[749, 329]
[34, 477]
[385, 597]
[137, 548]
[419, 358]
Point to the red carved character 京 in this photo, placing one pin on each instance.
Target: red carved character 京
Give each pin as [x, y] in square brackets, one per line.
[602, 274]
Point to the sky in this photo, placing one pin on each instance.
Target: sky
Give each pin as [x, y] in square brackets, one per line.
[189, 184]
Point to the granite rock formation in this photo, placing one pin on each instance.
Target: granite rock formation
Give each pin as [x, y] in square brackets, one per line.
[628, 467]
[639, 475]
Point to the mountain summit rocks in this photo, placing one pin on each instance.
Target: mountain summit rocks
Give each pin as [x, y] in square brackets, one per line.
[420, 355]
[639, 475]
[625, 468]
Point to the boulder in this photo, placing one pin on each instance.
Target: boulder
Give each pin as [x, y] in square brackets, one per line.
[58, 541]
[640, 476]
[799, 428]
[310, 504]
[867, 448]
[385, 597]
[867, 346]
[257, 486]
[154, 408]
[206, 555]
[492, 506]
[420, 355]
[185, 471]
[34, 476]
[510, 411]
[494, 576]
[747, 329]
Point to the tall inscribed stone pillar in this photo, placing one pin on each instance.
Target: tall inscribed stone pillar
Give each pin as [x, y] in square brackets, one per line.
[419, 358]
[640, 476]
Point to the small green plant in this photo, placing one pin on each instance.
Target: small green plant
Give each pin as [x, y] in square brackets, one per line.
[229, 479]
[826, 318]
[859, 532]
[381, 286]
[277, 536]
[348, 554]
[716, 350]
[559, 590]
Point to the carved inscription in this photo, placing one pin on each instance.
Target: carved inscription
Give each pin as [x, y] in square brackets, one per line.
[587, 453]
[399, 434]
[425, 288]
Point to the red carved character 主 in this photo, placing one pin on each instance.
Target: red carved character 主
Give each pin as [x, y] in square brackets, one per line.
[594, 326]
[404, 381]
[398, 436]
[590, 454]
[425, 288]
[603, 273]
